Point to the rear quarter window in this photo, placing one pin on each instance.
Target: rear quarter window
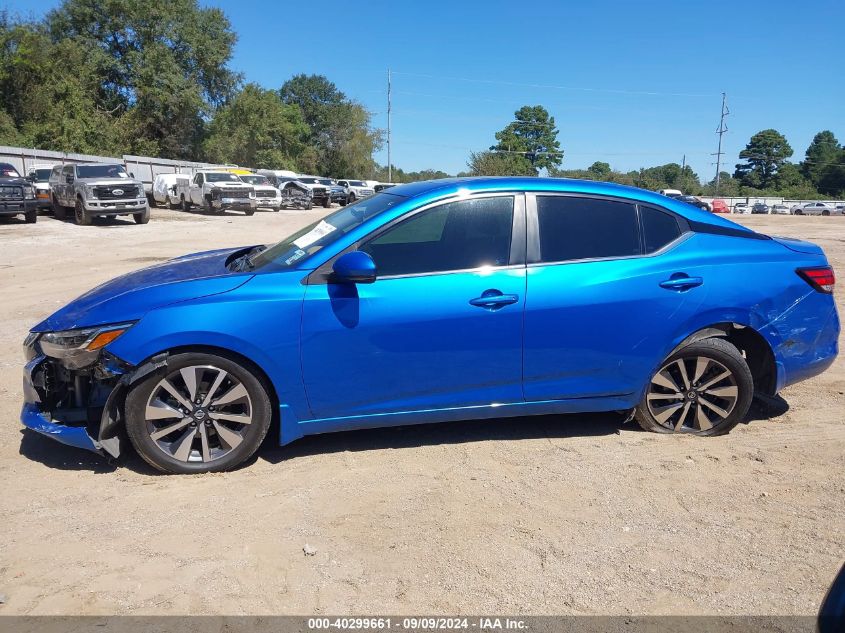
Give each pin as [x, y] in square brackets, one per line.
[659, 228]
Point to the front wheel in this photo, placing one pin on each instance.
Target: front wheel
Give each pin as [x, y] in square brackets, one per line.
[186, 206]
[201, 413]
[143, 217]
[327, 203]
[83, 218]
[58, 210]
[704, 388]
[31, 217]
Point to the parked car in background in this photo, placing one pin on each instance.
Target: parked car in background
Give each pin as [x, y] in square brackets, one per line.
[780, 209]
[97, 190]
[39, 176]
[694, 201]
[333, 328]
[355, 189]
[295, 195]
[760, 207]
[338, 193]
[266, 195]
[742, 207]
[719, 206]
[320, 193]
[382, 186]
[17, 195]
[277, 176]
[672, 193]
[217, 191]
[166, 188]
[813, 208]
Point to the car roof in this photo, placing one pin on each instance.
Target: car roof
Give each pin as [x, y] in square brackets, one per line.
[435, 189]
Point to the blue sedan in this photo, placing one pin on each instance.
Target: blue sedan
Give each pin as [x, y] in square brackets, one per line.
[432, 302]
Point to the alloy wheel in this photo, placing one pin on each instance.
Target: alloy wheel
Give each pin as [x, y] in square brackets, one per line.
[692, 394]
[198, 413]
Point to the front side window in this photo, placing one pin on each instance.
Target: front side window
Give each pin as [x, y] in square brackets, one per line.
[586, 228]
[460, 235]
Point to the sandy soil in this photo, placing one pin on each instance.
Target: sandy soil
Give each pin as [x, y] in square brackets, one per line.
[551, 515]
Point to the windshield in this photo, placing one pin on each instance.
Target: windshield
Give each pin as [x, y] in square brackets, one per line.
[314, 237]
[310, 181]
[8, 171]
[41, 175]
[101, 171]
[357, 183]
[221, 177]
[256, 180]
[326, 181]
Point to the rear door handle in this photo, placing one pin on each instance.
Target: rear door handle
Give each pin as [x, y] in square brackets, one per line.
[681, 283]
[493, 299]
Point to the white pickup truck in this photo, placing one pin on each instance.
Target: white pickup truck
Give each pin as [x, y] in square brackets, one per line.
[218, 191]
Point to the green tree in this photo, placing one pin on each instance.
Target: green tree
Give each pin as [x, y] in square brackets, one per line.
[600, 170]
[532, 135]
[496, 164]
[764, 154]
[340, 133]
[823, 164]
[257, 129]
[163, 63]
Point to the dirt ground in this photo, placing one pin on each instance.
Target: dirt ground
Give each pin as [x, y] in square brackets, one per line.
[551, 515]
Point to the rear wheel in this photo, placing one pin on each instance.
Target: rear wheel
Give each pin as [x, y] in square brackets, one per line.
[83, 218]
[200, 413]
[825, 212]
[186, 206]
[704, 388]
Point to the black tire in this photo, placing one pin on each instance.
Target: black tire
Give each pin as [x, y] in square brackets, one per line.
[83, 218]
[249, 211]
[31, 217]
[170, 204]
[143, 217]
[186, 206]
[721, 356]
[309, 206]
[58, 210]
[327, 203]
[138, 429]
[350, 198]
[825, 212]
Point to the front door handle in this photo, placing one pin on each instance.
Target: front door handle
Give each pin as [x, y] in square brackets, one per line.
[493, 300]
[681, 283]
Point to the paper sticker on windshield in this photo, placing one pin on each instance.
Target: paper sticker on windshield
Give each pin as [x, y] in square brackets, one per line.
[321, 230]
[297, 254]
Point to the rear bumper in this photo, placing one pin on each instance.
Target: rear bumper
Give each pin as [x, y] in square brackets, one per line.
[14, 207]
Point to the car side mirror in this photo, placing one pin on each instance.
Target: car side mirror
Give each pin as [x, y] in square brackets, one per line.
[69, 180]
[356, 267]
[131, 174]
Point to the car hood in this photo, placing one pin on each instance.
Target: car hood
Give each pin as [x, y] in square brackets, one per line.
[129, 297]
[13, 180]
[231, 183]
[109, 182]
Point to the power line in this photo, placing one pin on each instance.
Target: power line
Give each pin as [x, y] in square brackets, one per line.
[553, 87]
[721, 131]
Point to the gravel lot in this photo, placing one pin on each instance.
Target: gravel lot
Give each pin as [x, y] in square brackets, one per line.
[551, 515]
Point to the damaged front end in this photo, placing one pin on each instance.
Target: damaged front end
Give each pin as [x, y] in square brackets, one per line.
[74, 390]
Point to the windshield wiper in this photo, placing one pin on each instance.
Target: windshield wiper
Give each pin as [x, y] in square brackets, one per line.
[249, 259]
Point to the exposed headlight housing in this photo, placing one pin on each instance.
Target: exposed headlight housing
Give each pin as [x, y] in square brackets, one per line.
[29, 193]
[80, 347]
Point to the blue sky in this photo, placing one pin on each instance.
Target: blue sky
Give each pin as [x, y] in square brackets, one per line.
[630, 83]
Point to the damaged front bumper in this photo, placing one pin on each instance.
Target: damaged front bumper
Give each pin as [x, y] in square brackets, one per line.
[80, 407]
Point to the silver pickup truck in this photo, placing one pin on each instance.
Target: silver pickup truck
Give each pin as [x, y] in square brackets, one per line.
[97, 189]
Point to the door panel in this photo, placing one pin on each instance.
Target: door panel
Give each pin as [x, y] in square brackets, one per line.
[412, 343]
[598, 328]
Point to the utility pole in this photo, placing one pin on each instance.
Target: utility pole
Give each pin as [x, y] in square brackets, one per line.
[722, 129]
[389, 159]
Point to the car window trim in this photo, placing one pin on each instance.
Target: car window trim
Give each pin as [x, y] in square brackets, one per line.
[321, 275]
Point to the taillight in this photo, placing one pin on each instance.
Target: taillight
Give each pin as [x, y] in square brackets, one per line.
[821, 278]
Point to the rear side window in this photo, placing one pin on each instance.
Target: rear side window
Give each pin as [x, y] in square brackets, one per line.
[586, 228]
[659, 228]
